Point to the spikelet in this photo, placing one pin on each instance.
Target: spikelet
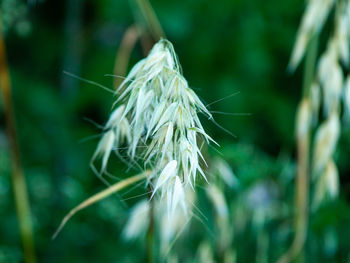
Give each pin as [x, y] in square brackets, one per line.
[218, 199]
[138, 221]
[325, 142]
[327, 187]
[223, 226]
[312, 22]
[157, 120]
[332, 178]
[222, 169]
[331, 78]
[171, 226]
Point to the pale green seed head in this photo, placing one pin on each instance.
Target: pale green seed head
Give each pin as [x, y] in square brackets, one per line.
[157, 120]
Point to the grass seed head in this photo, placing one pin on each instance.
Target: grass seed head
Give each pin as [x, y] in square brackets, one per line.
[158, 120]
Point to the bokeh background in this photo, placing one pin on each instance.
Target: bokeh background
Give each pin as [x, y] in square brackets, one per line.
[226, 47]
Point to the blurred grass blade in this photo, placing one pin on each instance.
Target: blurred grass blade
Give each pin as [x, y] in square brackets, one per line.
[18, 180]
[99, 196]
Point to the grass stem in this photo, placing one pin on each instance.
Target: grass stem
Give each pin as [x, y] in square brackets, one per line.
[296, 251]
[18, 180]
[150, 19]
[127, 44]
[150, 231]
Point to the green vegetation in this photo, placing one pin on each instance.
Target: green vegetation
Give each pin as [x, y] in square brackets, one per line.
[235, 56]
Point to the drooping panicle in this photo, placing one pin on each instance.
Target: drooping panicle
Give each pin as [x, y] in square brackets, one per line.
[157, 120]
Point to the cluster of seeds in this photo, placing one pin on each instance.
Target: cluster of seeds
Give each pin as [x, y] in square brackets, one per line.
[157, 122]
[329, 88]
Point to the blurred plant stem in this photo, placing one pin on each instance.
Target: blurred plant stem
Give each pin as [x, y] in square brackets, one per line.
[18, 180]
[262, 255]
[146, 24]
[123, 55]
[150, 231]
[100, 196]
[296, 251]
[309, 68]
[149, 18]
[149, 28]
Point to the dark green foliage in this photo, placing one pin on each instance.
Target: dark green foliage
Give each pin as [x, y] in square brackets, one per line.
[224, 47]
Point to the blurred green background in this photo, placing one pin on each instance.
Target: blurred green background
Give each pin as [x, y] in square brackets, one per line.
[224, 47]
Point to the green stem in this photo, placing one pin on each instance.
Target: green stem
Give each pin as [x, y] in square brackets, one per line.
[18, 180]
[150, 19]
[296, 251]
[309, 68]
[127, 44]
[303, 145]
[150, 231]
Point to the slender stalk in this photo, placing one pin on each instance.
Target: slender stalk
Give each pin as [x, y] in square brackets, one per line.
[309, 68]
[303, 171]
[123, 55]
[147, 21]
[18, 180]
[150, 18]
[150, 231]
[99, 196]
